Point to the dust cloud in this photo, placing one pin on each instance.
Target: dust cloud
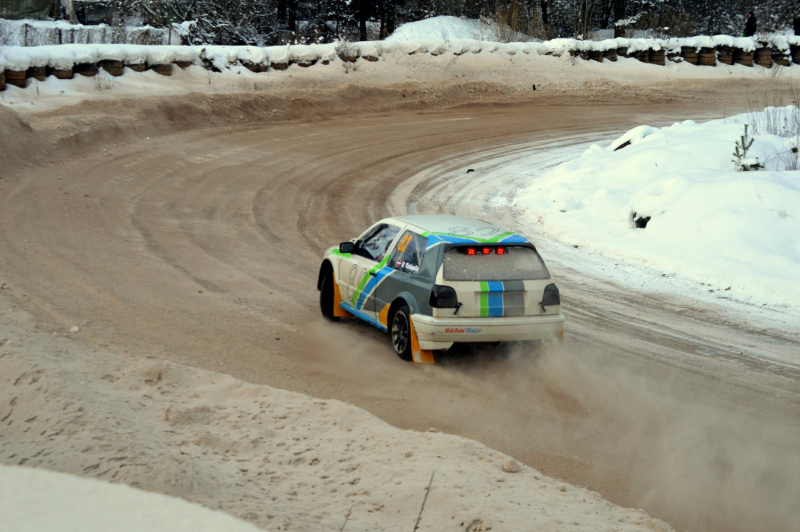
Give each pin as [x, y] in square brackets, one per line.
[683, 450]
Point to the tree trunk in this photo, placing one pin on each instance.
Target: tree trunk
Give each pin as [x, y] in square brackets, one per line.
[619, 14]
[391, 19]
[363, 8]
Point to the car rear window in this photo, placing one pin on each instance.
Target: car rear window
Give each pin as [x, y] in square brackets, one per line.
[516, 263]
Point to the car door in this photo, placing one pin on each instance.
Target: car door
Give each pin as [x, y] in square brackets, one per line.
[359, 270]
[404, 273]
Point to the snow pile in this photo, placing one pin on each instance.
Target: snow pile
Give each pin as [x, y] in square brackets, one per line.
[447, 28]
[737, 232]
[450, 28]
[443, 28]
[73, 504]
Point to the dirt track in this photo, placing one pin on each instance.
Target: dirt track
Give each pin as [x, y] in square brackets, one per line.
[201, 246]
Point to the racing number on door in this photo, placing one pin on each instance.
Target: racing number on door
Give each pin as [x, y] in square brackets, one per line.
[351, 281]
[405, 242]
[354, 280]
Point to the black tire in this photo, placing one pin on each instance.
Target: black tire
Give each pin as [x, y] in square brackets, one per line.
[400, 332]
[326, 297]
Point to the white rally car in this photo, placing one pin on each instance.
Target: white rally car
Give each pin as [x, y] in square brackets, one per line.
[432, 281]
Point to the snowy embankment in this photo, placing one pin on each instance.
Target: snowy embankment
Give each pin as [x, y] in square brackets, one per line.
[734, 233]
[68, 503]
[280, 460]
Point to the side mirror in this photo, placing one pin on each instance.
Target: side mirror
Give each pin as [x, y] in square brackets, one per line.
[347, 247]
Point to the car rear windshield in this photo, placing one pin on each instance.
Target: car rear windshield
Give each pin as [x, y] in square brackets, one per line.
[513, 263]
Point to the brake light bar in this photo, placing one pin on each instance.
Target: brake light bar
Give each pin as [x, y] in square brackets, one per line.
[486, 251]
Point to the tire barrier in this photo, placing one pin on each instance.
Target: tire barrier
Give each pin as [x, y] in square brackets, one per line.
[37, 73]
[65, 61]
[707, 57]
[252, 67]
[60, 73]
[725, 55]
[641, 55]
[689, 54]
[780, 58]
[16, 78]
[741, 57]
[163, 69]
[658, 57]
[111, 66]
[85, 69]
[763, 57]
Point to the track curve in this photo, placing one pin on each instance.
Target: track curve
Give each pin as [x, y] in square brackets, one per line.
[202, 248]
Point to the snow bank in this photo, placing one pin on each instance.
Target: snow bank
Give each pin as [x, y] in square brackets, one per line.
[281, 460]
[73, 504]
[441, 28]
[738, 232]
[19, 58]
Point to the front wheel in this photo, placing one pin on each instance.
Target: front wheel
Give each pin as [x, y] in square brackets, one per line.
[401, 332]
[326, 297]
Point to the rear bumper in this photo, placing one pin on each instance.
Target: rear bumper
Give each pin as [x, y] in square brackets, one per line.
[442, 333]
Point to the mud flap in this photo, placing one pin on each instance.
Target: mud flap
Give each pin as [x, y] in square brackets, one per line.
[338, 311]
[420, 356]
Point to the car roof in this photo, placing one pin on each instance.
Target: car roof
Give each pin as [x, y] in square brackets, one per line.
[459, 229]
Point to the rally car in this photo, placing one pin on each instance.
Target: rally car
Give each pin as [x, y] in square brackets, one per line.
[432, 281]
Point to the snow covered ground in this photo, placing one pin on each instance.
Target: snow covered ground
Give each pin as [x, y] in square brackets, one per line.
[730, 233]
[735, 232]
[68, 503]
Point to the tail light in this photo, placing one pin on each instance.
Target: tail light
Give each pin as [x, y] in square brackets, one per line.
[443, 297]
[551, 296]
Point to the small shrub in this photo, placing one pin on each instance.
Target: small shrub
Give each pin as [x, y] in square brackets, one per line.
[740, 159]
[104, 81]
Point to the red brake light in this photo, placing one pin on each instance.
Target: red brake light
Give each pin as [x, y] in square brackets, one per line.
[470, 251]
[486, 251]
[500, 251]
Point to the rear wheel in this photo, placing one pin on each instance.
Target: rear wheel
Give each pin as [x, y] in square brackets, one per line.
[326, 297]
[401, 332]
